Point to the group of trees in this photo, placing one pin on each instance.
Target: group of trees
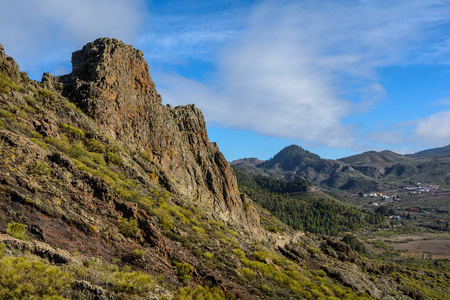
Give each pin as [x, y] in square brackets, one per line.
[317, 215]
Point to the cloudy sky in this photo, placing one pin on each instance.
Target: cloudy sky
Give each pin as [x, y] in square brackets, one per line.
[336, 77]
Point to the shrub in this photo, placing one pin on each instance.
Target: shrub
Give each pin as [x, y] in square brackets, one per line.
[45, 94]
[17, 230]
[200, 292]
[72, 130]
[208, 255]
[6, 84]
[129, 227]
[248, 272]
[164, 218]
[40, 168]
[185, 271]
[132, 283]
[114, 158]
[146, 156]
[95, 146]
[354, 243]
[199, 230]
[2, 250]
[6, 114]
[239, 253]
[261, 256]
[23, 278]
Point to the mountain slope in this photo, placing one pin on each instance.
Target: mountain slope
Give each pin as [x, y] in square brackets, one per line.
[369, 171]
[432, 152]
[107, 194]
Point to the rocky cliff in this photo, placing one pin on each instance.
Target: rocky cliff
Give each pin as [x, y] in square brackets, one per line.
[110, 81]
[107, 194]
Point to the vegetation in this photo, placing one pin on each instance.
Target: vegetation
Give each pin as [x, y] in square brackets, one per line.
[129, 227]
[318, 215]
[23, 278]
[17, 230]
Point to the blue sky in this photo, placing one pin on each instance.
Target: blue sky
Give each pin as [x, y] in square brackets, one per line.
[336, 77]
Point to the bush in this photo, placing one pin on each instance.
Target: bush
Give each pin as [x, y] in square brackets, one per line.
[40, 168]
[6, 114]
[261, 256]
[17, 230]
[114, 158]
[75, 132]
[22, 278]
[129, 227]
[200, 292]
[208, 255]
[185, 271]
[95, 146]
[132, 283]
[166, 220]
[2, 250]
[354, 243]
[6, 84]
[45, 94]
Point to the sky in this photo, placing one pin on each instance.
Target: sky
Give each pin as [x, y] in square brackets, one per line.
[335, 77]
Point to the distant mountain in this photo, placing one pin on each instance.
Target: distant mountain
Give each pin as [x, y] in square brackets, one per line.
[432, 152]
[368, 171]
[373, 157]
[290, 158]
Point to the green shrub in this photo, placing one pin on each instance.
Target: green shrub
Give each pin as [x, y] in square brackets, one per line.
[208, 255]
[72, 130]
[95, 146]
[22, 278]
[114, 158]
[132, 283]
[40, 168]
[199, 230]
[17, 230]
[185, 271]
[239, 253]
[2, 250]
[261, 256]
[45, 94]
[272, 228]
[313, 250]
[129, 227]
[200, 293]
[7, 114]
[6, 84]
[146, 156]
[248, 272]
[1, 123]
[354, 243]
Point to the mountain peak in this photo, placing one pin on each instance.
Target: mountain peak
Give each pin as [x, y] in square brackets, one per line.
[291, 157]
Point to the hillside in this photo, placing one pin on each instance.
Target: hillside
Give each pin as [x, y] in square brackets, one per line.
[432, 152]
[107, 194]
[369, 171]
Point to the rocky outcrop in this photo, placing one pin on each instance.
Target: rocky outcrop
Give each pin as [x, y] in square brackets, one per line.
[8, 65]
[110, 81]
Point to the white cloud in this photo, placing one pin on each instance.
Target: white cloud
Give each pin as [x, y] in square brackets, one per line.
[287, 73]
[36, 33]
[435, 128]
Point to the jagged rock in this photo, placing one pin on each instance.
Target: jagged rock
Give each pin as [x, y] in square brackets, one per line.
[111, 83]
[8, 65]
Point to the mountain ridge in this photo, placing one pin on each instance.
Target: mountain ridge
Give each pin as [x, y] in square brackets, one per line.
[107, 194]
[368, 171]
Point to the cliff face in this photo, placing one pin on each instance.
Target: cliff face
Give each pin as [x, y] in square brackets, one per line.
[110, 81]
